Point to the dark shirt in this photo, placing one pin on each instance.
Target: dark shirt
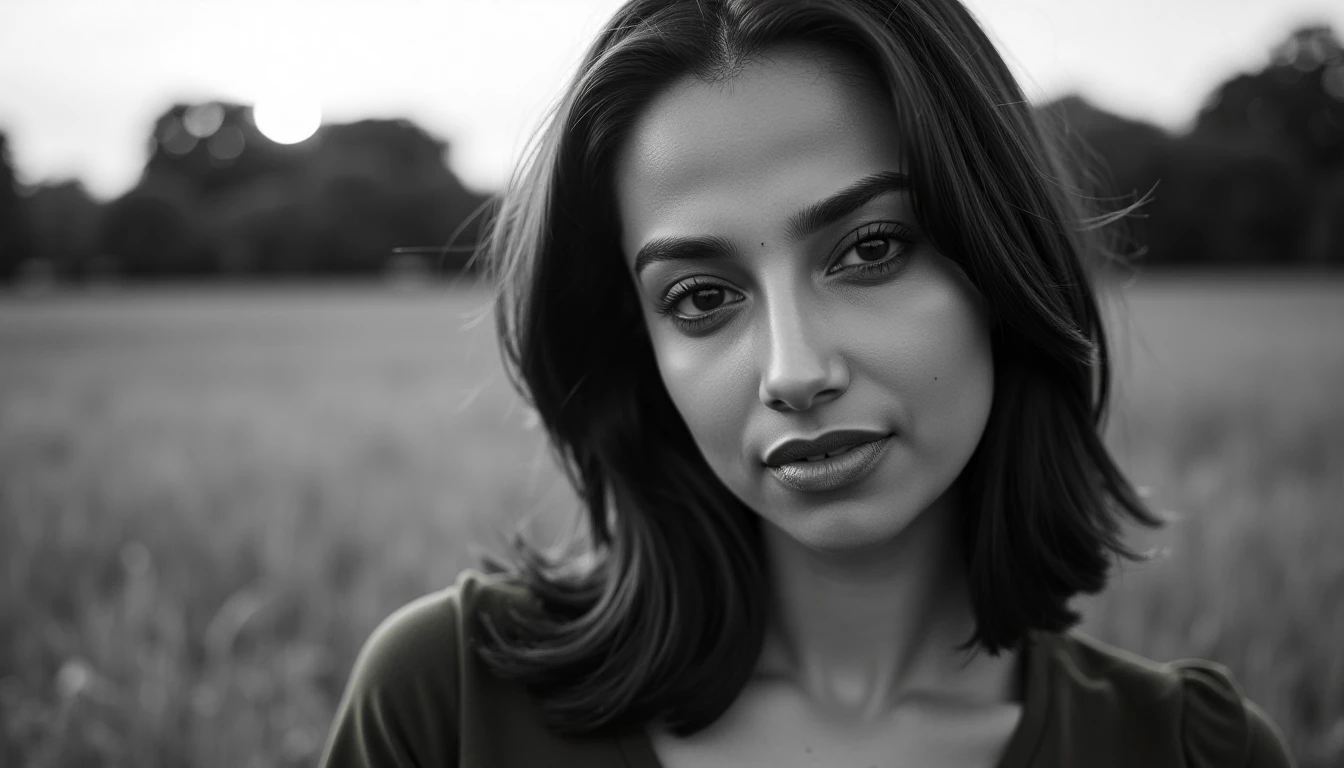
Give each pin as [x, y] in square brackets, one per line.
[419, 697]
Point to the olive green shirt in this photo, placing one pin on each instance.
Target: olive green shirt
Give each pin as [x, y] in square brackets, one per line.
[419, 697]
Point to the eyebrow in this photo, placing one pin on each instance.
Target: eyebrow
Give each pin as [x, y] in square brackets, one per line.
[682, 248]
[848, 200]
[809, 220]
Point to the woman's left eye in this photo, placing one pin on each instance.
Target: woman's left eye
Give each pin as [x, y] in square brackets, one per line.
[873, 251]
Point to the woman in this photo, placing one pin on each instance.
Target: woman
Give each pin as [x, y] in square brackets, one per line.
[798, 290]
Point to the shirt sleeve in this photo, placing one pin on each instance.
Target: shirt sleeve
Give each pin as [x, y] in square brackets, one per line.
[1265, 747]
[1220, 727]
[400, 707]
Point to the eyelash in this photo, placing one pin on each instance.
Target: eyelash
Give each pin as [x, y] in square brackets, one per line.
[897, 232]
[668, 303]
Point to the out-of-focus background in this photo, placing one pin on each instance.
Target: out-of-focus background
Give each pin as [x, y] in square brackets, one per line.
[247, 407]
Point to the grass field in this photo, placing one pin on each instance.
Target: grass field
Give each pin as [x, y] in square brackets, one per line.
[208, 497]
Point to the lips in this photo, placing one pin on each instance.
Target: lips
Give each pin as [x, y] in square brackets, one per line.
[818, 448]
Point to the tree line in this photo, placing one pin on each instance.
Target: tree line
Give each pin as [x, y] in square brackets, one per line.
[217, 198]
[1257, 181]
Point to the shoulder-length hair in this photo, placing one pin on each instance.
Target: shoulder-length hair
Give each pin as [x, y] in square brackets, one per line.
[667, 619]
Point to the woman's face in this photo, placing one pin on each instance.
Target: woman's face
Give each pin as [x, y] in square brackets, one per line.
[790, 296]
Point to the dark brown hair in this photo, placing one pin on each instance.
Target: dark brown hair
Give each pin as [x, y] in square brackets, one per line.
[666, 619]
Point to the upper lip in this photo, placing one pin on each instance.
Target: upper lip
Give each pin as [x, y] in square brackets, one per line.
[798, 448]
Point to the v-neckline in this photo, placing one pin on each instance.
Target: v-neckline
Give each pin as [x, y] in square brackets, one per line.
[637, 746]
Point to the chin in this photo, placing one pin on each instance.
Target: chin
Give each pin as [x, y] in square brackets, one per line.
[847, 527]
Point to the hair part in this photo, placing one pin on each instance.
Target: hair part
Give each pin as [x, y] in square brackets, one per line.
[669, 619]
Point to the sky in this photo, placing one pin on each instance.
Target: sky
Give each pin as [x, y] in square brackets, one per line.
[81, 81]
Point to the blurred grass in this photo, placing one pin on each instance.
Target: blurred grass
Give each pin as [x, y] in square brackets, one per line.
[208, 498]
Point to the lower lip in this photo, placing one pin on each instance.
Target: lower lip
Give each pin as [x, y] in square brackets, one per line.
[833, 473]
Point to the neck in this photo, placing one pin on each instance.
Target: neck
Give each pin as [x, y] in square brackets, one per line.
[862, 632]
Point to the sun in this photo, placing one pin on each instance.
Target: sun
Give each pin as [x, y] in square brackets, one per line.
[287, 120]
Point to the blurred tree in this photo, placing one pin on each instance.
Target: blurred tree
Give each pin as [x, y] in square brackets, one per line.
[65, 222]
[340, 201]
[1117, 162]
[1231, 201]
[153, 231]
[15, 240]
[215, 146]
[1254, 182]
[1131, 151]
[1297, 101]
[383, 184]
[261, 228]
[1289, 117]
[1325, 240]
[1224, 199]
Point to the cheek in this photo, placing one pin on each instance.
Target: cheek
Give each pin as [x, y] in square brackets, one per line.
[704, 384]
[956, 386]
[940, 364]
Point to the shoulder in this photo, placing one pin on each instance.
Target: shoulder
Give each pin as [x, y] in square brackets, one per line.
[404, 694]
[1189, 708]
[431, 631]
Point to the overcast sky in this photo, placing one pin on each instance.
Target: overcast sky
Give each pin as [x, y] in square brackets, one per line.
[82, 80]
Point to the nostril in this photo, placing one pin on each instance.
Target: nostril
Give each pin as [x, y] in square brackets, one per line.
[826, 396]
[801, 402]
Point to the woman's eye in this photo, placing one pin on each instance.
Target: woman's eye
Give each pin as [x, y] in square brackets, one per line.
[869, 251]
[702, 300]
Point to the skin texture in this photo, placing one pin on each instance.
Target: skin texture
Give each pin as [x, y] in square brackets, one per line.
[794, 351]
[869, 593]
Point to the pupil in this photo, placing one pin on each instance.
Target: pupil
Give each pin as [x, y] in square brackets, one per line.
[707, 299]
[872, 250]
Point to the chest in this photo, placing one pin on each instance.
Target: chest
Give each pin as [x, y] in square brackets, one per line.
[775, 727]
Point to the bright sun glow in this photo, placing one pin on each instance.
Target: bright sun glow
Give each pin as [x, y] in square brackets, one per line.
[286, 120]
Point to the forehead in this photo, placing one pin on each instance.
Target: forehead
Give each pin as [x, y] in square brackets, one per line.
[783, 132]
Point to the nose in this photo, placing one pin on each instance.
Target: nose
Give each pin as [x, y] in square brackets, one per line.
[801, 369]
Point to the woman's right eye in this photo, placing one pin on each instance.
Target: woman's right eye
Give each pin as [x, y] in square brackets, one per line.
[694, 302]
[702, 300]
